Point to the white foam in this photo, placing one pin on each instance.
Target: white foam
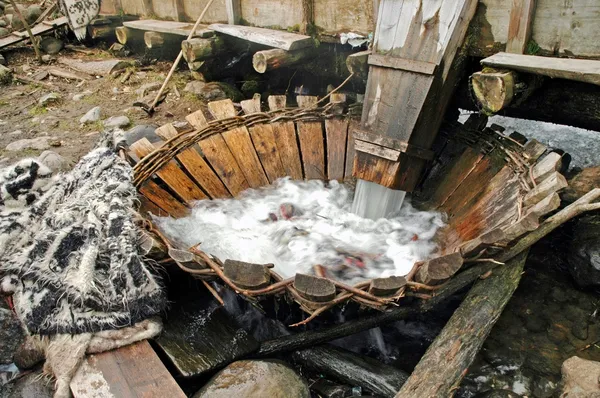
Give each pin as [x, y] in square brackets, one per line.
[326, 232]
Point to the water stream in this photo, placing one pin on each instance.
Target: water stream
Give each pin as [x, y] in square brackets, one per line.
[374, 201]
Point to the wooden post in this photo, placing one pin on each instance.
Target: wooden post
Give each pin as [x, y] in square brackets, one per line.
[267, 60]
[493, 90]
[519, 26]
[127, 36]
[234, 11]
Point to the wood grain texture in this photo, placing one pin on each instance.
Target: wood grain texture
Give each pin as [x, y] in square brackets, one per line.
[252, 105]
[223, 162]
[171, 174]
[163, 199]
[287, 146]
[169, 27]
[336, 131]
[132, 371]
[276, 102]
[221, 109]
[234, 11]
[582, 70]
[281, 13]
[197, 119]
[339, 16]
[196, 166]
[147, 206]
[265, 144]
[307, 101]
[312, 148]
[239, 142]
[350, 151]
[268, 37]
[519, 25]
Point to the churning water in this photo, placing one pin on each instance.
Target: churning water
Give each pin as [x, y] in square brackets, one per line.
[375, 201]
[297, 225]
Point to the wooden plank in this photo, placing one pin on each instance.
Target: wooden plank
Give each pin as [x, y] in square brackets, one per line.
[196, 166]
[307, 101]
[310, 135]
[127, 372]
[234, 11]
[350, 151]
[171, 174]
[338, 16]
[336, 131]
[519, 26]
[220, 158]
[170, 27]
[221, 109]
[163, 199]
[147, 206]
[252, 105]
[277, 102]
[268, 37]
[197, 119]
[410, 65]
[265, 143]
[582, 70]
[287, 146]
[377, 150]
[40, 29]
[239, 142]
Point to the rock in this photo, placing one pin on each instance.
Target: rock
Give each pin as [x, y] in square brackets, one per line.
[580, 378]
[11, 335]
[580, 330]
[117, 122]
[136, 111]
[3, 23]
[48, 99]
[148, 87]
[54, 161]
[32, 13]
[32, 385]
[17, 132]
[250, 87]
[28, 354]
[543, 388]
[141, 131]
[581, 183]
[92, 116]
[4, 31]
[5, 75]
[16, 23]
[51, 121]
[499, 394]
[215, 91]
[194, 87]
[2, 60]
[584, 252]
[80, 96]
[51, 45]
[39, 143]
[271, 379]
[46, 58]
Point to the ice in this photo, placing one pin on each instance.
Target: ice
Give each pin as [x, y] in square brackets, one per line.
[322, 230]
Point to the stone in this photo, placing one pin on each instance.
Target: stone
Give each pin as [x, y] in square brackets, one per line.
[499, 394]
[2, 59]
[11, 335]
[215, 91]
[16, 132]
[584, 252]
[28, 354]
[581, 183]
[4, 31]
[266, 378]
[50, 98]
[580, 378]
[32, 385]
[580, 329]
[46, 58]
[3, 23]
[51, 121]
[543, 388]
[51, 45]
[54, 161]
[39, 143]
[117, 122]
[141, 131]
[147, 87]
[5, 75]
[92, 116]
[32, 13]
[16, 22]
[196, 87]
[82, 95]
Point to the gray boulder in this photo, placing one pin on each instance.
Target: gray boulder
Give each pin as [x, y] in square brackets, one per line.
[267, 378]
[195, 87]
[584, 252]
[32, 385]
[32, 13]
[580, 378]
[92, 116]
[48, 99]
[39, 143]
[4, 31]
[54, 161]
[141, 131]
[117, 122]
[215, 91]
[11, 335]
[5, 75]
[51, 45]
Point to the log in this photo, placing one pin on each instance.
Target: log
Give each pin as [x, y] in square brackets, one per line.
[439, 269]
[198, 49]
[553, 183]
[101, 32]
[533, 149]
[247, 275]
[386, 286]
[314, 288]
[127, 36]
[268, 60]
[493, 90]
[354, 369]
[546, 166]
[443, 366]
[95, 68]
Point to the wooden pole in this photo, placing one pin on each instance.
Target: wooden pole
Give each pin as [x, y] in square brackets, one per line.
[31, 36]
[150, 110]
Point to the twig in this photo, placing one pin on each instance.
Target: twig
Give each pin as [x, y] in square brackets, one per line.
[126, 76]
[213, 292]
[27, 80]
[335, 89]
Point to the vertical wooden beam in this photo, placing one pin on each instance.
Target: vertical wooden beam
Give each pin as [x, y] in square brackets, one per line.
[234, 11]
[308, 17]
[148, 8]
[180, 10]
[519, 26]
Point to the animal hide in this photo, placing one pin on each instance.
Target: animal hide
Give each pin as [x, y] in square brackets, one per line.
[79, 14]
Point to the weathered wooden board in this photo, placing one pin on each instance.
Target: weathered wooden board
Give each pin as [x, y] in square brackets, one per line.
[171, 174]
[280, 13]
[287, 146]
[128, 372]
[196, 166]
[264, 141]
[565, 28]
[217, 152]
[519, 25]
[312, 148]
[342, 16]
[221, 109]
[96, 68]
[336, 130]
[268, 37]
[582, 70]
[216, 13]
[239, 142]
[163, 199]
[350, 152]
[170, 27]
[41, 28]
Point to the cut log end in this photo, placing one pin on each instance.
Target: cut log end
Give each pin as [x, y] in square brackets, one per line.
[439, 269]
[314, 288]
[493, 90]
[387, 286]
[247, 275]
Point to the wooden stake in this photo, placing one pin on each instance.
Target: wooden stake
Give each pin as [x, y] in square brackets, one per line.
[31, 36]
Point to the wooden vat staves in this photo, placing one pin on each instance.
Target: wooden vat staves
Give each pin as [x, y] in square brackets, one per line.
[494, 189]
